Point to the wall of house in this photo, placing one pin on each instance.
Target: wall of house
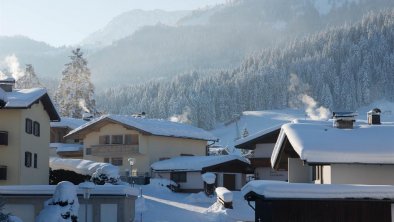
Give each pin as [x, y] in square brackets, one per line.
[298, 173]
[327, 175]
[193, 180]
[240, 180]
[167, 147]
[35, 145]
[267, 173]
[362, 174]
[264, 150]
[100, 208]
[13, 155]
[10, 121]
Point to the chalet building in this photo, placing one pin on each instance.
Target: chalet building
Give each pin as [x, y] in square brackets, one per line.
[230, 171]
[262, 144]
[62, 147]
[298, 202]
[25, 116]
[134, 143]
[339, 152]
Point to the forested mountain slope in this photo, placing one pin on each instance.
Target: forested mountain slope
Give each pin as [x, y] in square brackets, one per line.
[342, 68]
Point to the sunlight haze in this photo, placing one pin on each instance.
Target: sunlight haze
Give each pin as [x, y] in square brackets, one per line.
[61, 23]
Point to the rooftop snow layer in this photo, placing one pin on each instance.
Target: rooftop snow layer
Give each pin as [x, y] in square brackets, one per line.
[156, 127]
[194, 163]
[256, 135]
[322, 143]
[277, 189]
[67, 122]
[20, 98]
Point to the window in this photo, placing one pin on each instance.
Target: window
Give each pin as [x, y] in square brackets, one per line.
[117, 161]
[36, 128]
[35, 160]
[104, 139]
[28, 126]
[28, 159]
[117, 139]
[3, 138]
[131, 139]
[186, 154]
[88, 151]
[178, 177]
[106, 160]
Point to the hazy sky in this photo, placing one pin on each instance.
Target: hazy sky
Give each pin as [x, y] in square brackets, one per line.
[65, 22]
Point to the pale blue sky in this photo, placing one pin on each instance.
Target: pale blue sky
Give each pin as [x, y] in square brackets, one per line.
[66, 22]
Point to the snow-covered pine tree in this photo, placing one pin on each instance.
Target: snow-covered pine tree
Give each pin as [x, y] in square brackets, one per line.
[28, 80]
[74, 95]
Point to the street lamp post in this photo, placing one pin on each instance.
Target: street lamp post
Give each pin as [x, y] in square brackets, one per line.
[131, 162]
[87, 188]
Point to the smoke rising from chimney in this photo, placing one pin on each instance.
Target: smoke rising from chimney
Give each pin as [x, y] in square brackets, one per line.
[300, 98]
[182, 118]
[82, 104]
[13, 66]
[314, 112]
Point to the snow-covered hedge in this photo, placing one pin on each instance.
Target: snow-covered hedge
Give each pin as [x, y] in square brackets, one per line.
[100, 173]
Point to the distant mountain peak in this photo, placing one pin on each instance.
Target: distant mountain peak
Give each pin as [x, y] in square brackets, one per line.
[127, 23]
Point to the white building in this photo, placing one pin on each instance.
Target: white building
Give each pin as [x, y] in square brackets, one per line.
[341, 151]
[186, 171]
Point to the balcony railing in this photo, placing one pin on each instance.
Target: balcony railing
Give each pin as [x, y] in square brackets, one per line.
[108, 150]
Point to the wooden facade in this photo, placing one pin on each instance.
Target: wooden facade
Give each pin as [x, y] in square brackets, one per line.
[322, 210]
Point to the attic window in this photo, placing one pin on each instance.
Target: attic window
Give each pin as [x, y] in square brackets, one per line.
[117, 139]
[104, 139]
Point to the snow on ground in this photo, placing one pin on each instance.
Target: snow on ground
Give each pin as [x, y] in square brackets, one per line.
[158, 203]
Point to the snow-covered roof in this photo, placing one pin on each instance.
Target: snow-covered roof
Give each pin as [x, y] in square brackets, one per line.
[244, 142]
[24, 98]
[278, 189]
[66, 147]
[158, 127]
[320, 142]
[194, 163]
[67, 122]
[50, 189]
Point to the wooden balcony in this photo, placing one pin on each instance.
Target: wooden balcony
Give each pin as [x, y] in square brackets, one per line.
[110, 150]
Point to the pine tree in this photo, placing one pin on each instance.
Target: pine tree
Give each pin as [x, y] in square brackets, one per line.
[74, 95]
[28, 80]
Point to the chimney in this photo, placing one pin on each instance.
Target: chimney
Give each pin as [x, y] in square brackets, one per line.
[344, 120]
[7, 84]
[373, 116]
[87, 116]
